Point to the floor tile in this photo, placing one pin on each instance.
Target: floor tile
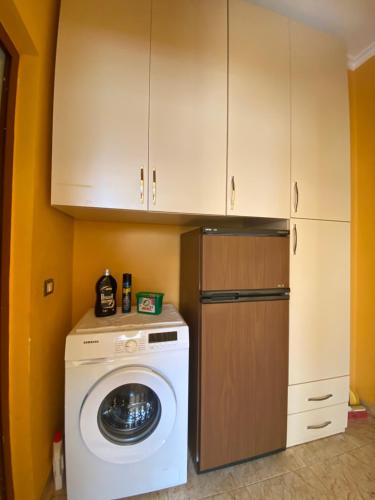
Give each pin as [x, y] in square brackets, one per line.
[238, 494]
[346, 477]
[157, 495]
[365, 454]
[204, 485]
[299, 485]
[361, 431]
[322, 449]
[267, 467]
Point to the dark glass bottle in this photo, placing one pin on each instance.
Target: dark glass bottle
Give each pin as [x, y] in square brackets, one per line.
[106, 288]
[126, 293]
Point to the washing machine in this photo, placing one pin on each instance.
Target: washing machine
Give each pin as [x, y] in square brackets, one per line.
[126, 404]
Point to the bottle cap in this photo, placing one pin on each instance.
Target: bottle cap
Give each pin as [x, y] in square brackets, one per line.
[107, 272]
[57, 437]
[127, 278]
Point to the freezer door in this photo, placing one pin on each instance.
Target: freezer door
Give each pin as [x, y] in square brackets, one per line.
[244, 381]
[244, 262]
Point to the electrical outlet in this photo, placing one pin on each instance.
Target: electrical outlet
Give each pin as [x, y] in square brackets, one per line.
[49, 286]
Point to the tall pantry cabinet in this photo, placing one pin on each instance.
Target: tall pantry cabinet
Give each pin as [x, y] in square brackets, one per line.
[320, 236]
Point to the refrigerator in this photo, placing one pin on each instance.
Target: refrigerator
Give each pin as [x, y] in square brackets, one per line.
[234, 292]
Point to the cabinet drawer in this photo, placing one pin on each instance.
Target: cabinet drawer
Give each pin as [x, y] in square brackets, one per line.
[314, 395]
[316, 424]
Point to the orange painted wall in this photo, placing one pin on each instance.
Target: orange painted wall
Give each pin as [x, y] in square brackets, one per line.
[46, 243]
[41, 247]
[149, 251]
[362, 109]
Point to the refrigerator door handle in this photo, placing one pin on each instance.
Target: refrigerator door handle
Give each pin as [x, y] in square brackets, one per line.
[240, 296]
[223, 297]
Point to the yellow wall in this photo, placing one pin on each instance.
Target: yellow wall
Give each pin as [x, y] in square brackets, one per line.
[362, 104]
[41, 247]
[149, 251]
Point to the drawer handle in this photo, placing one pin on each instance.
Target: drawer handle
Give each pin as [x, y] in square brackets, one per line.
[319, 426]
[320, 398]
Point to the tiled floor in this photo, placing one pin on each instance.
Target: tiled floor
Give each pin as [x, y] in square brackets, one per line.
[338, 467]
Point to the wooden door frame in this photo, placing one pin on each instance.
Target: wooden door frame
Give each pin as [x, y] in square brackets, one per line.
[6, 174]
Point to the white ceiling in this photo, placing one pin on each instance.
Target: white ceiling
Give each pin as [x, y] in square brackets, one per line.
[351, 20]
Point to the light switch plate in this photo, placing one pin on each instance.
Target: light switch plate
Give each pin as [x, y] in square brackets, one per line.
[49, 286]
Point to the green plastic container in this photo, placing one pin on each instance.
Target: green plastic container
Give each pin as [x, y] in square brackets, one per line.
[149, 302]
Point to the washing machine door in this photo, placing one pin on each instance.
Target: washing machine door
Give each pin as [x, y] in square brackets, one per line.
[128, 415]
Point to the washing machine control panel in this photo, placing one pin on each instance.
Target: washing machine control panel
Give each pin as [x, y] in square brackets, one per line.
[158, 337]
[123, 344]
[147, 341]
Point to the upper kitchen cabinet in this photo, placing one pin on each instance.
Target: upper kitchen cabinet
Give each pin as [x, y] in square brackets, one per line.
[188, 106]
[259, 112]
[320, 126]
[100, 125]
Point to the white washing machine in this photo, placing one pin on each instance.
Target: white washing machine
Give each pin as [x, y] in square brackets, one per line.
[126, 404]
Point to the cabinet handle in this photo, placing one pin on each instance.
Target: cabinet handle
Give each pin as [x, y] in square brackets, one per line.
[296, 196]
[295, 239]
[233, 194]
[320, 398]
[319, 426]
[142, 186]
[153, 186]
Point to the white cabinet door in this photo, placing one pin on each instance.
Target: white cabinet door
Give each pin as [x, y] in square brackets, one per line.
[319, 300]
[320, 126]
[259, 112]
[100, 126]
[188, 106]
